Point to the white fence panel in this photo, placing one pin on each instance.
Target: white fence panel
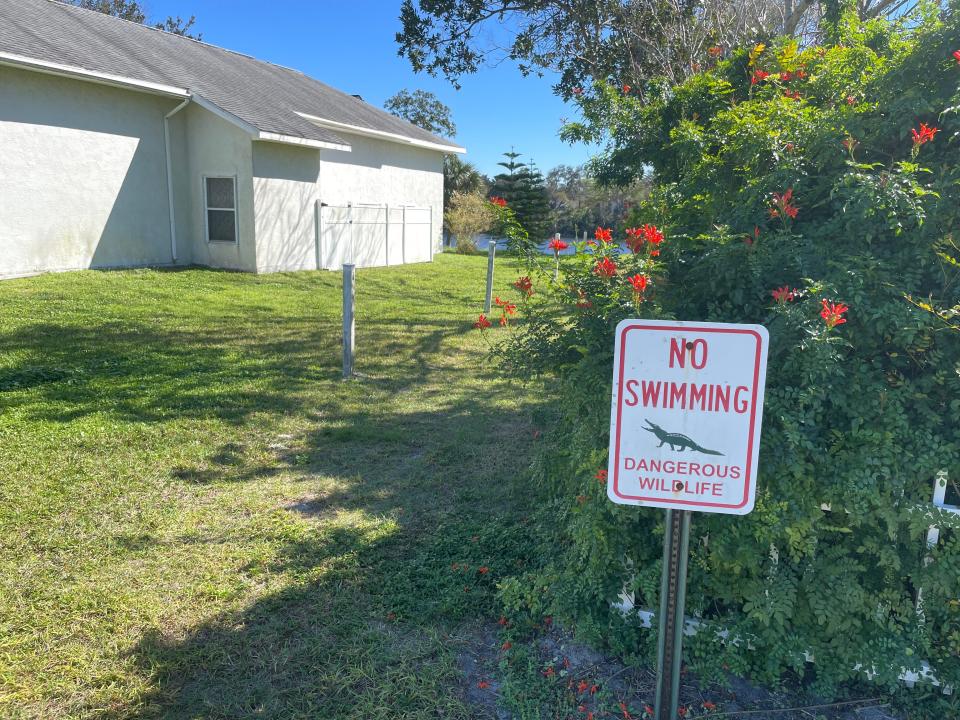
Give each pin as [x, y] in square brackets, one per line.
[334, 236]
[374, 235]
[419, 231]
[369, 234]
[395, 238]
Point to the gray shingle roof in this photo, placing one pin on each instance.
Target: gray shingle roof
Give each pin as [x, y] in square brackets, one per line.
[268, 97]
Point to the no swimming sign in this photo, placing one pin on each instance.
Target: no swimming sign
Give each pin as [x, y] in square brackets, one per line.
[686, 414]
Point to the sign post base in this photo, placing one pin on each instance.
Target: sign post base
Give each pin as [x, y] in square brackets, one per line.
[673, 593]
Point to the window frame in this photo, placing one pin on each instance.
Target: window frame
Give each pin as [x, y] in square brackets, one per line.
[234, 210]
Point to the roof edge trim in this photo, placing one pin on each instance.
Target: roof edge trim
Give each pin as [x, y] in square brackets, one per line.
[72, 71]
[303, 142]
[380, 134]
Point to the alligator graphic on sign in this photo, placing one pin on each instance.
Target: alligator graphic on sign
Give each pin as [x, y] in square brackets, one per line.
[676, 441]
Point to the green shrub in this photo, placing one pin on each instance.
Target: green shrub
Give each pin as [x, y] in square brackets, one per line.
[807, 178]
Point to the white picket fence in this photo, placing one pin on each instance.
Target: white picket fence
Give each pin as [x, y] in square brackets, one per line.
[692, 625]
[373, 235]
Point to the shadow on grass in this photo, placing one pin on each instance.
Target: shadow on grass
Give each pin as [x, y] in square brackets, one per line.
[139, 373]
[390, 566]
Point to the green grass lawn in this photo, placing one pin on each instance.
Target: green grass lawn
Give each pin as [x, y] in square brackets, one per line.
[199, 518]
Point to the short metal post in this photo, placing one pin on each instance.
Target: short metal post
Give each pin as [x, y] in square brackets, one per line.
[349, 274]
[673, 592]
[556, 269]
[491, 252]
[353, 242]
[403, 237]
[386, 234]
[318, 230]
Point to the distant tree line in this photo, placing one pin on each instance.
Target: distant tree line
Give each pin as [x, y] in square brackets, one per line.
[567, 200]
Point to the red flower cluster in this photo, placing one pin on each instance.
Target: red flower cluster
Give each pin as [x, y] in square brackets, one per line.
[851, 100]
[482, 323]
[626, 89]
[498, 201]
[783, 205]
[506, 308]
[788, 76]
[715, 51]
[792, 94]
[524, 285]
[758, 76]
[956, 56]
[637, 236]
[924, 135]
[832, 313]
[603, 234]
[557, 245]
[601, 476]
[483, 684]
[783, 295]
[605, 268]
[639, 282]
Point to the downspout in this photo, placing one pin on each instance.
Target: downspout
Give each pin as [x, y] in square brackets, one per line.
[166, 148]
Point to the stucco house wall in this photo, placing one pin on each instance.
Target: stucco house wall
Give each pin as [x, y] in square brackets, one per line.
[216, 148]
[377, 172]
[83, 184]
[286, 184]
[288, 180]
[82, 175]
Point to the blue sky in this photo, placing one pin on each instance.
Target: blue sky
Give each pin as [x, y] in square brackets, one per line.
[351, 45]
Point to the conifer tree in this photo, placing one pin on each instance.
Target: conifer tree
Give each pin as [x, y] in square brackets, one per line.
[523, 187]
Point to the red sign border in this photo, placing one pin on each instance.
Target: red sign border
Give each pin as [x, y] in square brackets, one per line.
[753, 412]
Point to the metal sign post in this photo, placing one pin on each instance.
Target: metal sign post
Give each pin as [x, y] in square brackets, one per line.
[673, 594]
[349, 274]
[684, 435]
[491, 252]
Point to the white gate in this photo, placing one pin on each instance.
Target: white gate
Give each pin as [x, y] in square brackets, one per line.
[373, 235]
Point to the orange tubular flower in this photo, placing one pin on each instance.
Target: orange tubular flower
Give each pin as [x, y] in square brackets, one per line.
[783, 205]
[832, 313]
[783, 295]
[557, 245]
[605, 268]
[924, 135]
[758, 76]
[603, 234]
[498, 201]
[482, 323]
[507, 307]
[639, 282]
[524, 285]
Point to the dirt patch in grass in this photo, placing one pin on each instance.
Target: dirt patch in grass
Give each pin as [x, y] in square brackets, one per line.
[567, 678]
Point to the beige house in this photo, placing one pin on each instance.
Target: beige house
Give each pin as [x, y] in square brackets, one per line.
[123, 146]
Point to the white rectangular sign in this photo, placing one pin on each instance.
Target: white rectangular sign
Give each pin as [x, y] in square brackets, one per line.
[686, 414]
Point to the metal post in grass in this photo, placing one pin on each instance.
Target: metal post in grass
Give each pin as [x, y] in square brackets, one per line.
[491, 252]
[349, 274]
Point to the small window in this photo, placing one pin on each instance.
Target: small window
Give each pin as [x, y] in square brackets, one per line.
[221, 203]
